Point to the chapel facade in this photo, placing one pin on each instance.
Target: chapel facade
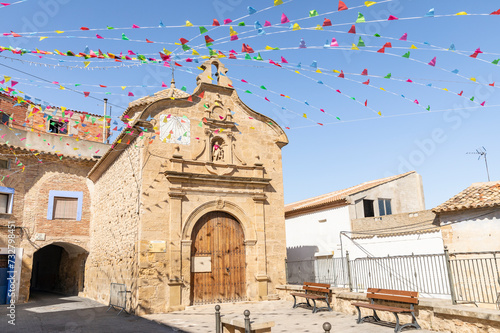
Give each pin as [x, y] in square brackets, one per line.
[187, 205]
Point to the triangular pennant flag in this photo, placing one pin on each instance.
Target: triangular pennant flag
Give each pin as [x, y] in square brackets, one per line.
[354, 47]
[341, 75]
[361, 43]
[367, 82]
[430, 13]
[334, 42]
[327, 22]
[433, 62]
[388, 76]
[352, 30]
[296, 27]
[189, 24]
[313, 13]
[203, 30]
[278, 2]
[360, 19]
[124, 37]
[365, 72]
[413, 47]
[382, 50]
[404, 37]
[407, 55]
[342, 6]
[251, 10]
[392, 18]
[369, 3]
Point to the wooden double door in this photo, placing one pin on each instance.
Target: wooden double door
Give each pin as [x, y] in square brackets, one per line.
[218, 260]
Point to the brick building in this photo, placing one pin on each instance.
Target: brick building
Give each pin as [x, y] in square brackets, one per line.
[44, 195]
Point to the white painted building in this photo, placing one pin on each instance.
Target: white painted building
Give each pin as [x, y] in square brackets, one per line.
[376, 218]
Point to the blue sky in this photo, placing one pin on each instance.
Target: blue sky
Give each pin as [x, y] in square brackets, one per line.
[361, 146]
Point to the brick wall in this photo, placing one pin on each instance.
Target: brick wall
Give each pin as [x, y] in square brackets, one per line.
[81, 125]
[31, 199]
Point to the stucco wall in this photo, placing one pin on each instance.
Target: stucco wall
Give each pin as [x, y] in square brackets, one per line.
[306, 230]
[114, 228]
[471, 230]
[406, 194]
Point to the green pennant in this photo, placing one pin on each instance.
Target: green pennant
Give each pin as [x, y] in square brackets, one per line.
[183, 88]
[185, 47]
[110, 28]
[124, 37]
[407, 55]
[258, 57]
[377, 35]
[203, 30]
[262, 87]
[248, 91]
[241, 24]
[388, 76]
[247, 57]
[337, 118]
[93, 120]
[213, 52]
[313, 13]
[361, 43]
[87, 116]
[141, 57]
[361, 18]
[495, 62]
[428, 108]
[353, 98]
[200, 124]
[472, 99]
[209, 44]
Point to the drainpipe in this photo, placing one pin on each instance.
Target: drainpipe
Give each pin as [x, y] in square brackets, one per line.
[104, 122]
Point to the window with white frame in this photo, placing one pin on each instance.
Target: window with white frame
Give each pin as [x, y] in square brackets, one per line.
[65, 205]
[6, 200]
[384, 207]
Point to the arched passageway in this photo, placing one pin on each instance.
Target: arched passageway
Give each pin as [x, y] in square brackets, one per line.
[59, 268]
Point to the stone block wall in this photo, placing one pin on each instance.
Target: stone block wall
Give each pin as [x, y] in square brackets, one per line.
[114, 229]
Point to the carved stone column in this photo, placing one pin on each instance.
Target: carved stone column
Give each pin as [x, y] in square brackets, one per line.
[260, 226]
[175, 273]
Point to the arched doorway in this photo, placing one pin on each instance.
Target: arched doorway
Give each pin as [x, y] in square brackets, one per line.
[59, 268]
[218, 260]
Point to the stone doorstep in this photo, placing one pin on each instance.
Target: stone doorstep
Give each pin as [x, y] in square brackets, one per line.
[256, 325]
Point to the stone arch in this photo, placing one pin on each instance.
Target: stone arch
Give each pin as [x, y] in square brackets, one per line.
[223, 206]
[59, 267]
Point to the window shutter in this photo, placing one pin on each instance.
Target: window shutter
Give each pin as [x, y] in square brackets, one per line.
[65, 208]
[4, 203]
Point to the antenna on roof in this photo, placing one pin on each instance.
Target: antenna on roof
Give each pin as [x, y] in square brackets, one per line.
[172, 83]
[481, 152]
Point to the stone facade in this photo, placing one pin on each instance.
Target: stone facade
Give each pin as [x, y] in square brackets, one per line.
[226, 158]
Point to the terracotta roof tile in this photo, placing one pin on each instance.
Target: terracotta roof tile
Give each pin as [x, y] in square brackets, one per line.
[478, 195]
[337, 197]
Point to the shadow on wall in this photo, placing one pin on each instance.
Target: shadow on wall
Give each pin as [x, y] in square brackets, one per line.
[300, 264]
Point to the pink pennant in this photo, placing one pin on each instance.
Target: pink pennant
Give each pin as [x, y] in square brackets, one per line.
[227, 21]
[4, 4]
[482, 104]
[283, 61]
[409, 80]
[284, 19]
[416, 101]
[334, 42]
[13, 83]
[233, 51]
[130, 93]
[166, 64]
[234, 37]
[404, 37]
[433, 62]
[479, 50]
[267, 24]
[322, 110]
[135, 26]
[131, 53]
[243, 80]
[100, 37]
[392, 18]
[339, 91]
[163, 84]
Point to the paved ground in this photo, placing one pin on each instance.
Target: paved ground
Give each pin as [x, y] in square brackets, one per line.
[202, 318]
[47, 313]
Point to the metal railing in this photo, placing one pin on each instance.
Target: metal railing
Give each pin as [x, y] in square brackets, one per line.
[464, 277]
[476, 277]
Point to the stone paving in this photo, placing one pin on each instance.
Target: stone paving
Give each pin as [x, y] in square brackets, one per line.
[202, 318]
[48, 313]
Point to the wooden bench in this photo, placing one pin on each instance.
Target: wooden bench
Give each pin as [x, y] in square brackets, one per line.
[399, 296]
[314, 292]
